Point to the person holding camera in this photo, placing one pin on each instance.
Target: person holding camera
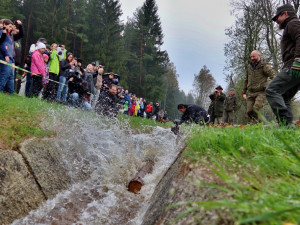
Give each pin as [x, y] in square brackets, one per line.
[7, 54]
[62, 52]
[66, 65]
[216, 107]
[51, 87]
[193, 113]
[78, 89]
[107, 102]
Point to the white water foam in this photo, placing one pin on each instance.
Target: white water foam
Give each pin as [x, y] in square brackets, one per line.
[110, 153]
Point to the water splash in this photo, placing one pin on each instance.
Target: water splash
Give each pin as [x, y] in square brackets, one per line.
[110, 154]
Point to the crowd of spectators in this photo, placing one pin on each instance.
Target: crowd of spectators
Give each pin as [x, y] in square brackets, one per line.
[53, 74]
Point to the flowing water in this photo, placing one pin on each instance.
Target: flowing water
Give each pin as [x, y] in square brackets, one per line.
[110, 154]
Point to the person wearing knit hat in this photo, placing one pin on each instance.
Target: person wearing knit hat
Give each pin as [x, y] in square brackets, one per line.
[216, 107]
[40, 45]
[37, 69]
[286, 84]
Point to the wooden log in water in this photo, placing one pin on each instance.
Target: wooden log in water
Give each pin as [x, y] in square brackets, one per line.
[135, 185]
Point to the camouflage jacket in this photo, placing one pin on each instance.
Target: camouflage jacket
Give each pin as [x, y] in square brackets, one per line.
[257, 77]
[230, 103]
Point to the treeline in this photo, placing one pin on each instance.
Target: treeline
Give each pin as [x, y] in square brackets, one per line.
[93, 31]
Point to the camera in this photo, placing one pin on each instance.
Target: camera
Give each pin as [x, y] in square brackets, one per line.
[216, 91]
[3, 28]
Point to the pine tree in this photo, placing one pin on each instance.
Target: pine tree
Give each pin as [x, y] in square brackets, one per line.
[146, 39]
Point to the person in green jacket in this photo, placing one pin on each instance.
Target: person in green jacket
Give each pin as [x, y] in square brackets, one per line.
[255, 85]
[51, 88]
[230, 107]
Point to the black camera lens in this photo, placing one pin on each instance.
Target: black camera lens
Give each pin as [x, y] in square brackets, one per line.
[3, 28]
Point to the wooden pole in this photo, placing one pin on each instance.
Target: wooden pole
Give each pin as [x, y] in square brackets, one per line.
[135, 185]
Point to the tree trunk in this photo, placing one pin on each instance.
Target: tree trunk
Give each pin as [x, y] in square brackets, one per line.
[27, 34]
[141, 60]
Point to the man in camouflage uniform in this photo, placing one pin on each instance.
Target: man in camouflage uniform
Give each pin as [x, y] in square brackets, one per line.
[287, 83]
[255, 84]
[230, 107]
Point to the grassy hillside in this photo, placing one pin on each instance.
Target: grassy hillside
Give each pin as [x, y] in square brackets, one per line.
[20, 119]
[258, 172]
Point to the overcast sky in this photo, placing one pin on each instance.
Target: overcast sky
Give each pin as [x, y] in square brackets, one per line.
[194, 35]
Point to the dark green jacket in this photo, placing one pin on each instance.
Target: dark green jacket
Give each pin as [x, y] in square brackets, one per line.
[257, 77]
[217, 105]
[230, 104]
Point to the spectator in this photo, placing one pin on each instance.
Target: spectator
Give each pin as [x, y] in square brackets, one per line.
[127, 98]
[165, 115]
[137, 107]
[156, 110]
[108, 81]
[217, 105]
[66, 66]
[38, 68]
[149, 109]
[90, 81]
[98, 85]
[7, 54]
[107, 103]
[51, 88]
[78, 89]
[46, 78]
[125, 106]
[230, 107]
[33, 46]
[62, 52]
[29, 78]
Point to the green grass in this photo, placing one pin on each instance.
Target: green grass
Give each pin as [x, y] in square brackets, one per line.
[143, 124]
[259, 169]
[21, 118]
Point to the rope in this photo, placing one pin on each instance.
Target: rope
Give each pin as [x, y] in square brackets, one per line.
[27, 71]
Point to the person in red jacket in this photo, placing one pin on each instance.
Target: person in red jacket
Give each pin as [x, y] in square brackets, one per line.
[149, 110]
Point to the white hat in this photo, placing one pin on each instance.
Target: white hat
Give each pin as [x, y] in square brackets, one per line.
[40, 45]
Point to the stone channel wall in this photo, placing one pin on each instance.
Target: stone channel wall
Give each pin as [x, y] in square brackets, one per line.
[29, 176]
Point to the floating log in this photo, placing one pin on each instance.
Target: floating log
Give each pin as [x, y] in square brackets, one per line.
[135, 185]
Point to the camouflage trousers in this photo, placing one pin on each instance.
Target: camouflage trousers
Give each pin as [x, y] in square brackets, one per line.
[279, 94]
[255, 101]
[229, 117]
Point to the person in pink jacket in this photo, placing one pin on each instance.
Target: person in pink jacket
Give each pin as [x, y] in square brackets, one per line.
[38, 68]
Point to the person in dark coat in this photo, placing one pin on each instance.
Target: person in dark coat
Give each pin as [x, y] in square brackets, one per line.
[108, 81]
[107, 103]
[156, 110]
[78, 88]
[230, 107]
[286, 84]
[193, 113]
[217, 105]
